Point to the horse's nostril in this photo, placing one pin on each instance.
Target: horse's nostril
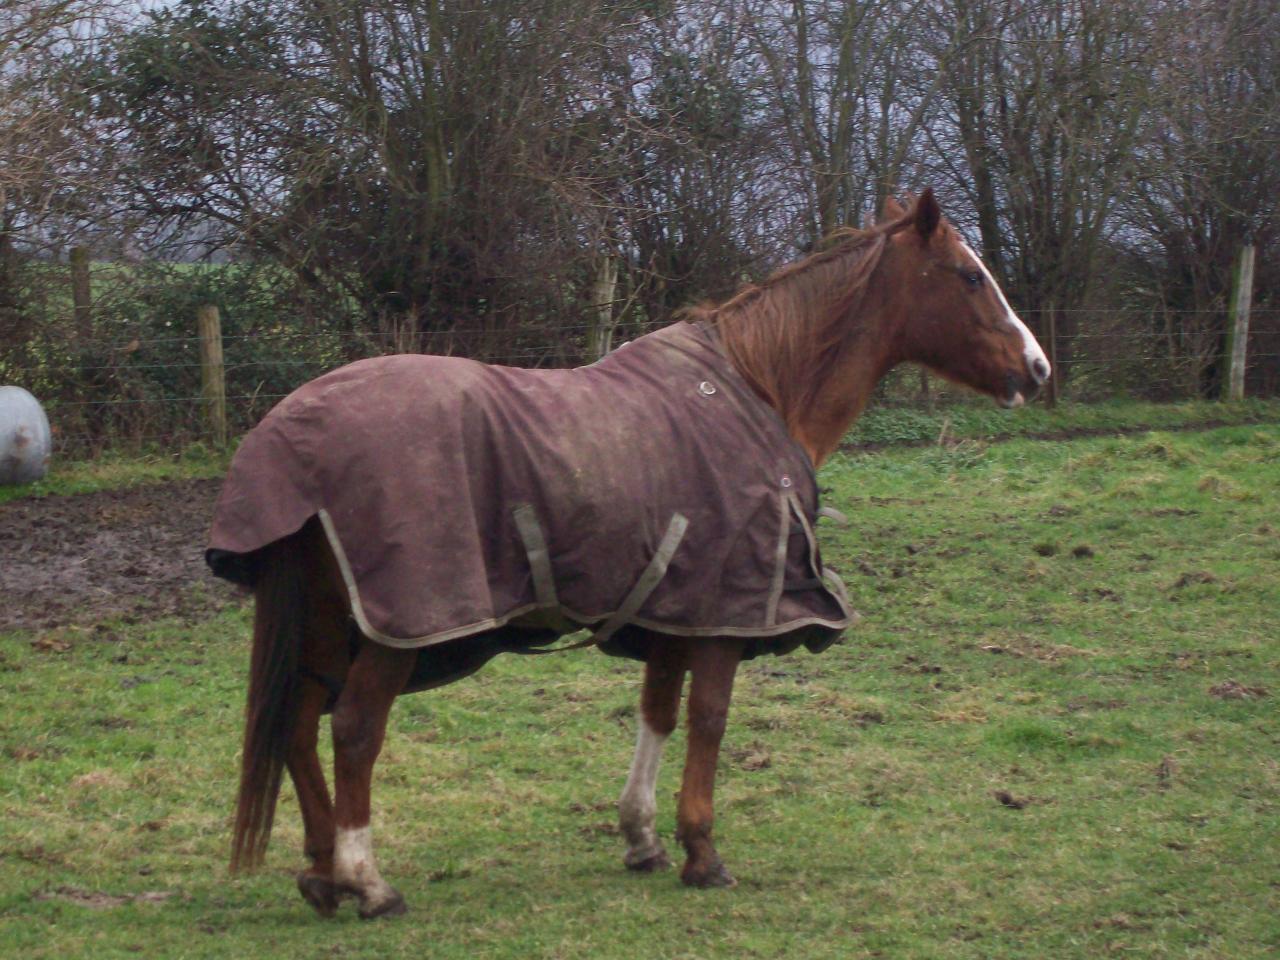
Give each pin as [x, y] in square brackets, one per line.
[1040, 369]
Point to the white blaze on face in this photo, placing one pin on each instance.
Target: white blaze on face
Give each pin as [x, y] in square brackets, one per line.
[1037, 362]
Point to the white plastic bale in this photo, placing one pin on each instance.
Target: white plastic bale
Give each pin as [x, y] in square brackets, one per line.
[25, 440]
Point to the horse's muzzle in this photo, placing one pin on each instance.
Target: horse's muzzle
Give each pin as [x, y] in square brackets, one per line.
[1019, 390]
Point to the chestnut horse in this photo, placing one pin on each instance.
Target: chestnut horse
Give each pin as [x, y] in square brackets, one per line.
[811, 341]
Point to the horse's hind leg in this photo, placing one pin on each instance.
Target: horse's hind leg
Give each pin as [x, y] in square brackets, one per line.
[316, 882]
[323, 661]
[659, 704]
[713, 664]
[376, 677]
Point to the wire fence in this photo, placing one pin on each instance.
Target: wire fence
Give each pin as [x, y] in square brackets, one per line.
[136, 390]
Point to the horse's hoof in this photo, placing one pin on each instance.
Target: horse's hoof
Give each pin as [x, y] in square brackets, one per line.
[391, 906]
[714, 874]
[647, 861]
[320, 892]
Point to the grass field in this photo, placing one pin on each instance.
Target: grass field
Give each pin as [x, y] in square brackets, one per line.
[1054, 735]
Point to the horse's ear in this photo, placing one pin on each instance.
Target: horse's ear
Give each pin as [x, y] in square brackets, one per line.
[927, 213]
[892, 210]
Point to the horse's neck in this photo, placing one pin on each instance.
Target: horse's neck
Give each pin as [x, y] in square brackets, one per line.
[837, 405]
[786, 356]
[847, 385]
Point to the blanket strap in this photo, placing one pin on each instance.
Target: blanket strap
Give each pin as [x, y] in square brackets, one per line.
[535, 545]
[639, 593]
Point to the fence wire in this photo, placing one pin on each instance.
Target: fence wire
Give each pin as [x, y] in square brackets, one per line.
[146, 390]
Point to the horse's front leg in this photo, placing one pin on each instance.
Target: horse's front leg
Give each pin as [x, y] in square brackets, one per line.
[713, 664]
[659, 705]
[377, 676]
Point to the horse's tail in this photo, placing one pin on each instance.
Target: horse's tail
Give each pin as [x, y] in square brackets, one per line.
[280, 590]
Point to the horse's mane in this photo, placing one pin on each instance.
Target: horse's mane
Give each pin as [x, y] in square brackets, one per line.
[786, 333]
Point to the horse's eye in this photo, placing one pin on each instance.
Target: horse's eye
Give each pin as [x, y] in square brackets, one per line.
[973, 278]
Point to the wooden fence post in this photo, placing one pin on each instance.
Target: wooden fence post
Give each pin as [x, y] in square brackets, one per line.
[1055, 381]
[604, 289]
[213, 383]
[1238, 332]
[81, 294]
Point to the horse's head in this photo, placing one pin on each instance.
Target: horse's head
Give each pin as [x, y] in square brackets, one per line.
[957, 321]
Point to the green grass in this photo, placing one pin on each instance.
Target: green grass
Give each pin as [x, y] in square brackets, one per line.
[1046, 621]
[975, 419]
[114, 470]
[880, 426]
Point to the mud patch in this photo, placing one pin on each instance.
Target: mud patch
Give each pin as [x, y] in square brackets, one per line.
[756, 756]
[1194, 578]
[135, 553]
[96, 900]
[1022, 646]
[1231, 690]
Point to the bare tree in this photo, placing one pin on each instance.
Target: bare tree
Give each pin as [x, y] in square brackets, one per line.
[692, 190]
[1209, 180]
[1042, 110]
[850, 89]
[417, 159]
[43, 175]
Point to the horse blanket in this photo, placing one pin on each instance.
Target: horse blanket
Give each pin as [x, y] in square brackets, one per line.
[652, 490]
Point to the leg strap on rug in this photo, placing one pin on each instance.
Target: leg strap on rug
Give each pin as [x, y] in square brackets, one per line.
[535, 547]
[645, 585]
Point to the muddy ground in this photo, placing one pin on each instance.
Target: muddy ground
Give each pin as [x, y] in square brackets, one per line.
[135, 554]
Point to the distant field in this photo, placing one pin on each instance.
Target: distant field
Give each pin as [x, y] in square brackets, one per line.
[1054, 735]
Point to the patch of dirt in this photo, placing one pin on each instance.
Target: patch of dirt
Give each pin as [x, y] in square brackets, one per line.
[1231, 690]
[1034, 649]
[1005, 798]
[1172, 512]
[753, 757]
[1100, 593]
[913, 664]
[134, 553]
[1086, 703]
[102, 901]
[599, 806]
[1193, 577]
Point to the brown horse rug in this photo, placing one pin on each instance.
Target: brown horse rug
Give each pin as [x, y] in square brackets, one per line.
[475, 508]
